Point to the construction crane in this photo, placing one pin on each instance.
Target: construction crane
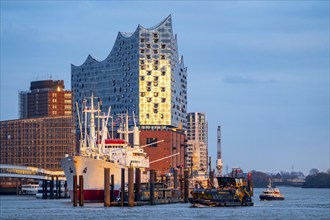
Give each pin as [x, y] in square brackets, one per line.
[219, 156]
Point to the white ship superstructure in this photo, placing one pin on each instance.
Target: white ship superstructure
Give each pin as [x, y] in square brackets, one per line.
[97, 152]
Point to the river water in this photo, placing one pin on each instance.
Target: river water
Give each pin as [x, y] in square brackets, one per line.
[298, 204]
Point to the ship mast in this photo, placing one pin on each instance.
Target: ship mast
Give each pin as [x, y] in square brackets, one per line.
[92, 136]
[125, 130]
[136, 134]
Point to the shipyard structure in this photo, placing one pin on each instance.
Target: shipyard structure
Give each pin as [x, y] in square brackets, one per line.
[143, 74]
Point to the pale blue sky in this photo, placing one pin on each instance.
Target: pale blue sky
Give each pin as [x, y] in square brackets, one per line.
[260, 69]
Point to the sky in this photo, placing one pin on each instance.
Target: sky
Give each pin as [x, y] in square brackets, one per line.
[259, 69]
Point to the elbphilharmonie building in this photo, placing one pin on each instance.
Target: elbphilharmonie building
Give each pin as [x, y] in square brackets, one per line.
[143, 73]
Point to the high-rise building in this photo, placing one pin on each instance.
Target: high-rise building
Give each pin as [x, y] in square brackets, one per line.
[46, 98]
[38, 142]
[45, 132]
[143, 74]
[197, 136]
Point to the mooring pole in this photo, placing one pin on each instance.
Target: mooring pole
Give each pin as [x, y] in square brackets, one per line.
[57, 188]
[130, 187]
[17, 186]
[44, 189]
[155, 175]
[75, 185]
[51, 193]
[175, 175]
[167, 180]
[81, 190]
[181, 186]
[112, 188]
[106, 187]
[65, 189]
[122, 193]
[137, 184]
[152, 187]
[186, 186]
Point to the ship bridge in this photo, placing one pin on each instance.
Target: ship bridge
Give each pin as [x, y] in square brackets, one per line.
[14, 171]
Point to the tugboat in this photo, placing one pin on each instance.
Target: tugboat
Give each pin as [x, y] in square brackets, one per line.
[231, 191]
[271, 193]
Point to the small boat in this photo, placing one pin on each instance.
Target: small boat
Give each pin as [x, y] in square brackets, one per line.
[231, 191]
[271, 193]
[29, 189]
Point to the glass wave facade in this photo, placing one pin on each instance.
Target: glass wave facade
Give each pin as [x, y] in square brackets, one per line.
[142, 74]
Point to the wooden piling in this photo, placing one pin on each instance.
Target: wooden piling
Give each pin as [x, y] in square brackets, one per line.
[181, 185]
[75, 186]
[137, 184]
[175, 178]
[65, 189]
[106, 187]
[57, 188]
[130, 187]
[122, 193]
[81, 190]
[152, 187]
[44, 189]
[186, 186]
[112, 188]
[17, 188]
[51, 188]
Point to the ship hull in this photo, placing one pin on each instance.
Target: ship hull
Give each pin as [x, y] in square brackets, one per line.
[218, 202]
[214, 197]
[92, 171]
[266, 197]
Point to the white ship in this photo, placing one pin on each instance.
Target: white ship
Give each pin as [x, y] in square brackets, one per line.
[97, 152]
[29, 189]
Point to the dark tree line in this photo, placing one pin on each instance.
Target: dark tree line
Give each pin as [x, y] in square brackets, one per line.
[317, 179]
[260, 179]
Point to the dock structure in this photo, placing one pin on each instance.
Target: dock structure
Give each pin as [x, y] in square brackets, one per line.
[153, 192]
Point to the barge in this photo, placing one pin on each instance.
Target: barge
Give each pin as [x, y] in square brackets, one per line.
[231, 191]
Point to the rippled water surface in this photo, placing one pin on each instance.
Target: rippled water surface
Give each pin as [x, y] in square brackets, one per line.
[298, 204]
